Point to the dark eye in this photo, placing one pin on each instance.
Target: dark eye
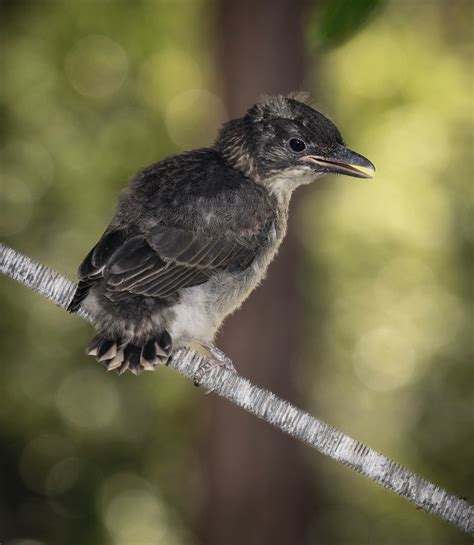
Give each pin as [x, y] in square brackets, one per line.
[297, 145]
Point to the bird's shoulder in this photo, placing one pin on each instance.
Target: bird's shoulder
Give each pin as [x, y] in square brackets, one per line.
[201, 172]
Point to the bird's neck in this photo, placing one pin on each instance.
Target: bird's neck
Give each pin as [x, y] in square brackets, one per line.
[280, 204]
[281, 185]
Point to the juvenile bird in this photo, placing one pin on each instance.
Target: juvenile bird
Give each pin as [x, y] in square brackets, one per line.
[194, 234]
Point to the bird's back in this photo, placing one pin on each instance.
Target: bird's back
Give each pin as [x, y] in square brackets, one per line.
[196, 190]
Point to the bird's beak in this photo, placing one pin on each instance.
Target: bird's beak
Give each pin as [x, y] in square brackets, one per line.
[342, 161]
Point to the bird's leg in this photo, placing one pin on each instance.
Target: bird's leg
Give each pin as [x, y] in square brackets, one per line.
[214, 358]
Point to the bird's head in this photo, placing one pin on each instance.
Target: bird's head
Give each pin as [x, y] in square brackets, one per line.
[282, 143]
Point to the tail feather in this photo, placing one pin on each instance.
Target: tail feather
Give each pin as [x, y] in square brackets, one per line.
[80, 294]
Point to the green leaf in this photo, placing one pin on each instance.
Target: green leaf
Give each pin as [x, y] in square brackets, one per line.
[335, 21]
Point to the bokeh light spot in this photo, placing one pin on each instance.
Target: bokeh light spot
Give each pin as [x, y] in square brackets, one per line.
[87, 400]
[384, 359]
[134, 512]
[182, 73]
[62, 476]
[96, 66]
[194, 117]
[136, 517]
[39, 457]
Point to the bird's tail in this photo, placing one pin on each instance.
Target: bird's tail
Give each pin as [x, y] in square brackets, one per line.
[80, 294]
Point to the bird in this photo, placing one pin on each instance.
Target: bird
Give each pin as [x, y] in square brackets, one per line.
[193, 234]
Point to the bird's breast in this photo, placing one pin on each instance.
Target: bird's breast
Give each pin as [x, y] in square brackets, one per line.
[236, 287]
[202, 308]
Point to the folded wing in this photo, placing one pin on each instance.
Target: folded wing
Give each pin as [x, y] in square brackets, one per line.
[163, 261]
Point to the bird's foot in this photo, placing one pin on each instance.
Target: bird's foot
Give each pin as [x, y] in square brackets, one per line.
[116, 354]
[214, 358]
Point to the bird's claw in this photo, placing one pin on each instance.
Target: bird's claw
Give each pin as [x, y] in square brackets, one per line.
[217, 359]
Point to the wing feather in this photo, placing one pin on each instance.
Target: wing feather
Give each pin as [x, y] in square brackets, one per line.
[161, 263]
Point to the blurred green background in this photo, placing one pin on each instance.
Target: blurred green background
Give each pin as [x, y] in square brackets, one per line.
[94, 90]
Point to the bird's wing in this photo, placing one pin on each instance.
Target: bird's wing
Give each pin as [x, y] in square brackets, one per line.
[164, 260]
[170, 258]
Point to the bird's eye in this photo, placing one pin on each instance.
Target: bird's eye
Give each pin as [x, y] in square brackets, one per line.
[297, 145]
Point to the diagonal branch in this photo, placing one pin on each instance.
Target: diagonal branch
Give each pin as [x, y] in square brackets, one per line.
[265, 405]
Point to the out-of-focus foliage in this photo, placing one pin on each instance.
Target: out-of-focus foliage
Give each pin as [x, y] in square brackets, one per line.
[91, 92]
[335, 21]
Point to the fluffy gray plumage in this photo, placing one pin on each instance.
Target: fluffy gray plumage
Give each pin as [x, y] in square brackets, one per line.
[193, 234]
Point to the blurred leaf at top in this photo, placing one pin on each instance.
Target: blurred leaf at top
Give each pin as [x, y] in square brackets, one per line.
[335, 21]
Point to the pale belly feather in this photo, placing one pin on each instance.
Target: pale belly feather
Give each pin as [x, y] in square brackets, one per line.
[202, 309]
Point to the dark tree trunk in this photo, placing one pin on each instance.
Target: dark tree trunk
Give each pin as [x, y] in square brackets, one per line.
[257, 485]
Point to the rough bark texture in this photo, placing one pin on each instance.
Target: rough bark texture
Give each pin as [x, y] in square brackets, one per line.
[258, 486]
